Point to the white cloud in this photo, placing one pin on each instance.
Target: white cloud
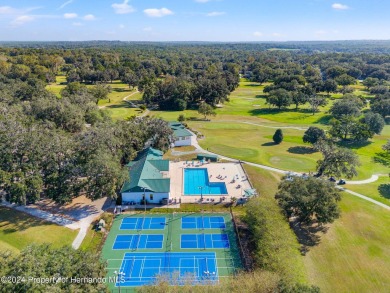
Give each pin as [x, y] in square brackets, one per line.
[70, 15]
[20, 20]
[258, 34]
[89, 17]
[338, 6]
[7, 10]
[276, 34]
[202, 1]
[154, 12]
[147, 29]
[123, 8]
[77, 24]
[121, 26]
[65, 4]
[215, 13]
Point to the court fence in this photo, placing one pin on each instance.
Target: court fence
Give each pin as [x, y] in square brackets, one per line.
[244, 259]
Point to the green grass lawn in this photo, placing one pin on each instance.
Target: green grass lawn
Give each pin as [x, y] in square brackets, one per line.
[375, 190]
[18, 230]
[56, 87]
[118, 92]
[92, 240]
[249, 100]
[122, 111]
[354, 254]
[254, 143]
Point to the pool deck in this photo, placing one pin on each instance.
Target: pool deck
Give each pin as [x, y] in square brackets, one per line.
[226, 170]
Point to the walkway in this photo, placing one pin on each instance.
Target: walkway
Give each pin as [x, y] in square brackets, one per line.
[82, 219]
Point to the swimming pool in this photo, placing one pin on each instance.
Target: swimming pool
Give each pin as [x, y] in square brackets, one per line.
[194, 178]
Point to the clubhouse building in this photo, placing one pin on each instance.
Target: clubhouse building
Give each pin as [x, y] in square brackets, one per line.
[181, 135]
[172, 182]
[149, 177]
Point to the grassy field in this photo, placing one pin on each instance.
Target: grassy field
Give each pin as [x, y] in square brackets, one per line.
[254, 143]
[119, 91]
[354, 254]
[18, 230]
[92, 240]
[375, 190]
[229, 131]
[56, 87]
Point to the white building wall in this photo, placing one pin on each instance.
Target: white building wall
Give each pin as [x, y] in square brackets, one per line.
[183, 141]
[137, 197]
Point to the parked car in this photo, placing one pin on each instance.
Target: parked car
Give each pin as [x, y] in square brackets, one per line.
[332, 179]
[341, 182]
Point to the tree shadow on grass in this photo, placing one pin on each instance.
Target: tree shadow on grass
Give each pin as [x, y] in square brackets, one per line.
[384, 190]
[120, 90]
[354, 144]
[275, 111]
[382, 158]
[301, 150]
[121, 105]
[308, 236]
[271, 143]
[18, 221]
[324, 120]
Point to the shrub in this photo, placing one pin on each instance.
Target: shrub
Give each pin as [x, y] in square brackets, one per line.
[278, 136]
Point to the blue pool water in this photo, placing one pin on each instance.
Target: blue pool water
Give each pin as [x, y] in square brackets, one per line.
[193, 178]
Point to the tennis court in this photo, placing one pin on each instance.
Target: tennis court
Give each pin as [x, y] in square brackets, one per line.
[143, 223]
[144, 268]
[204, 241]
[135, 241]
[172, 247]
[204, 222]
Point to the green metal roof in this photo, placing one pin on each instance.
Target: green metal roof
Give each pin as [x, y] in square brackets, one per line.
[146, 169]
[162, 185]
[179, 130]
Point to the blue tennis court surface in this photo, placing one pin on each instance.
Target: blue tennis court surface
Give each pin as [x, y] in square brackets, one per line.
[142, 223]
[203, 223]
[193, 178]
[203, 241]
[138, 242]
[143, 268]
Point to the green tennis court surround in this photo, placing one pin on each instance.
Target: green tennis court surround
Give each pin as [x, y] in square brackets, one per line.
[195, 248]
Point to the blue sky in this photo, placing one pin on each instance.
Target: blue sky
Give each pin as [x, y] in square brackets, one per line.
[193, 20]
